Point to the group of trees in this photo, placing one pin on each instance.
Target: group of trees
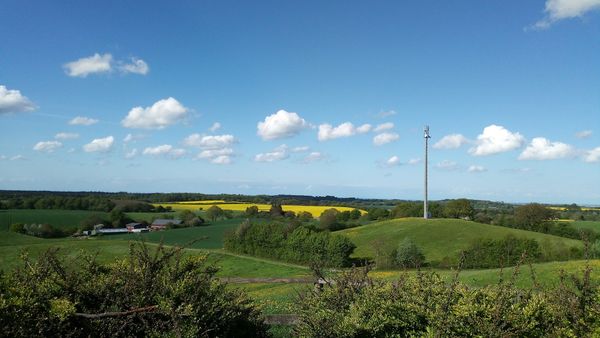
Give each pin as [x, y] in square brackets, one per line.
[288, 243]
[42, 230]
[156, 294]
[93, 203]
[493, 253]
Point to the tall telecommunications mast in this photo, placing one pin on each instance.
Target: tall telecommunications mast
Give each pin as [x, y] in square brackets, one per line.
[427, 137]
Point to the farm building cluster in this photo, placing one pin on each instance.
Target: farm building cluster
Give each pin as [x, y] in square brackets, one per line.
[135, 227]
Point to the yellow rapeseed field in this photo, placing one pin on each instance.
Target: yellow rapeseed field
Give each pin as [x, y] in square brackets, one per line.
[234, 206]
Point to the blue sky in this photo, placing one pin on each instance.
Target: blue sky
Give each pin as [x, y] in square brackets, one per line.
[303, 97]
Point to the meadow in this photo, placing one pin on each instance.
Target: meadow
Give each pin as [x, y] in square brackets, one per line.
[440, 239]
[314, 210]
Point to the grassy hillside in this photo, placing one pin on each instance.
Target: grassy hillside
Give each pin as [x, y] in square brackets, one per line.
[440, 239]
[592, 225]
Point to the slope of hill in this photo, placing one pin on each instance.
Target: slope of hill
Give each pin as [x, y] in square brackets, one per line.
[442, 239]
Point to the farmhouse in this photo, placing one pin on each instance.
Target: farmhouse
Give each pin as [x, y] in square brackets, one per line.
[161, 224]
[136, 227]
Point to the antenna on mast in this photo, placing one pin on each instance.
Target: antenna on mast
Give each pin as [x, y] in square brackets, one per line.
[427, 137]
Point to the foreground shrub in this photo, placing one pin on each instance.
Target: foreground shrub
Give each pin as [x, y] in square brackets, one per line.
[159, 293]
[424, 305]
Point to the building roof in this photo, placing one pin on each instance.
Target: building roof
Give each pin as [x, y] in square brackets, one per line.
[162, 221]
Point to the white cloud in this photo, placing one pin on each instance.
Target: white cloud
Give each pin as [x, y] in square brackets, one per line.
[215, 126]
[17, 158]
[12, 101]
[66, 136]
[161, 114]
[89, 65]
[583, 134]
[83, 121]
[137, 66]
[365, 128]
[385, 138]
[476, 169]
[383, 127]
[164, 150]
[592, 156]
[388, 113]
[542, 149]
[47, 146]
[447, 165]
[556, 10]
[223, 159]
[393, 161]
[451, 141]
[213, 153]
[278, 154]
[414, 161]
[209, 141]
[101, 145]
[346, 129]
[314, 157]
[300, 149]
[282, 124]
[131, 154]
[496, 139]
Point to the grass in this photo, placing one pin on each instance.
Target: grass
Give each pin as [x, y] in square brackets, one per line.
[440, 239]
[546, 274]
[591, 225]
[314, 210]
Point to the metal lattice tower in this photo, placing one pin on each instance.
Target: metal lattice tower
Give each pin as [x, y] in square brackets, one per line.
[427, 137]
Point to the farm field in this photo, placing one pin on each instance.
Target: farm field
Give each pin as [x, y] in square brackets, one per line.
[314, 210]
[591, 225]
[440, 239]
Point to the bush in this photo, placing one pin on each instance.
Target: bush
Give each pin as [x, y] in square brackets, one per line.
[408, 255]
[493, 253]
[17, 227]
[159, 294]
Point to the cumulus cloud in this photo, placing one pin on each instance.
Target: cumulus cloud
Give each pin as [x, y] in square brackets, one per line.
[12, 101]
[89, 65]
[282, 124]
[556, 10]
[385, 114]
[447, 165]
[583, 134]
[383, 127]
[66, 136]
[136, 66]
[300, 149]
[592, 156]
[385, 138]
[542, 149]
[131, 154]
[414, 161]
[496, 139]
[314, 157]
[346, 129]
[393, 161]
[451, 141]
[215, 148]
[17, 158]
[215, 126]
[476, 169]
[209, 141]
[82, 121]
[47, 146]
[160, 115]
[99, 145]
[278, 154]
[164, 150]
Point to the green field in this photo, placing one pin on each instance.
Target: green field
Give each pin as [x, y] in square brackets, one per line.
[440, 239]
[591, 225]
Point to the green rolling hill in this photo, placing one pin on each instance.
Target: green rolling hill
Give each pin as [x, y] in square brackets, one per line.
[441, 239]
